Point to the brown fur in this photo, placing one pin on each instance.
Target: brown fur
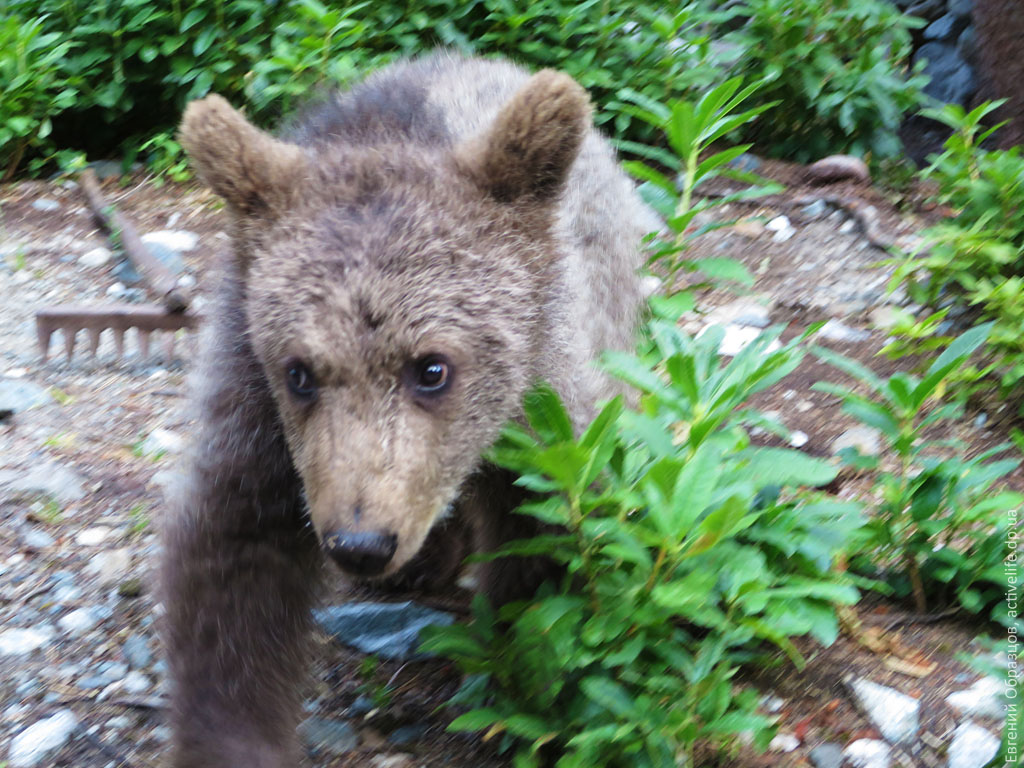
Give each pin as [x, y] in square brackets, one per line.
[445, 206]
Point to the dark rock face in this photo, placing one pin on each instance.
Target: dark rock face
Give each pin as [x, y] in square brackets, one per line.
[953, 78]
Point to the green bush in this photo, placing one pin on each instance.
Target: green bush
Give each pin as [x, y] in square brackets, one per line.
[684, 546]
[126, 69]
[941, 525]
[974, 259]
[839, 67]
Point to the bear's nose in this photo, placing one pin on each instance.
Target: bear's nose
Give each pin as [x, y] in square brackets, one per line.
[364, 553]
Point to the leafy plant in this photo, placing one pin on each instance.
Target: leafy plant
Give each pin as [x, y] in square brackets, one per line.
[974, 259]
[691, 129]
[32, 87]
[941, 520]
[684, 548]
[839, 66]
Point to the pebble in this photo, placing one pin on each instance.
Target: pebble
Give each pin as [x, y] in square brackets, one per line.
[136, 651]
[111, 565]
[407, 735]
[46, 205]
[162, 441]
[34, 538]
[391, 630]
[826, 755]
[798, 439]
[401, 760]
[90, 537]
[782, 228]
[815, 210]
[867, 441]
[783, 742]
[180, 240]
[78, 621]
[136, 682]
[867, 753]
[894, 714]
[97, 257]
[119, 721]
[972, 746]
[838, 168]
[737, 337]
[18, 642]
[986, 698]
[40, 741]
[834, 330]
[46, 479]
[17, 396]
[330, 737]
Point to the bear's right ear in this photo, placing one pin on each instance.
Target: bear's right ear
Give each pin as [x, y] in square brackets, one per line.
[255, 173]
[527, 152]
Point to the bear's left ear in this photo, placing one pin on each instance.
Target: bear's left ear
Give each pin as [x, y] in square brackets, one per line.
[256, 174]
[528, 150]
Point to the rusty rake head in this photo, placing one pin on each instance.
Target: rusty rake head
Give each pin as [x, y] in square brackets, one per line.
[119, 318]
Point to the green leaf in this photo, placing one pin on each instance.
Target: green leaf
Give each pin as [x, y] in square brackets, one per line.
[476, 720]
[547, 415]
[608, 694]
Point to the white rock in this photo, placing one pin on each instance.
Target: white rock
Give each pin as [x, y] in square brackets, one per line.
[737, 337]
[798, 439]
[18, 642]
[972, 746]
[834, 330]
[161, 441]
[78, 621]
[97, 257]
[90, 537]
[135, 682]
[867, 753]
[110, 566]
[784, 742]
[116, 290]
[180, 240]
[39, 741]
[986, 698]
[892, 712]
[782, 228]
[867, 441]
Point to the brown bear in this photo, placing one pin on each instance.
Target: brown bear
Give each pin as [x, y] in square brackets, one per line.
[408, 259]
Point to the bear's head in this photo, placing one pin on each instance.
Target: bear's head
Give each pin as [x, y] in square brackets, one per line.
[398, 297]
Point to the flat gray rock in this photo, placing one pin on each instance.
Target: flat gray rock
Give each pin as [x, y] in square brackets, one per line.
[972, 746]
[826, 756]
[986, 698]
[19, 642]
[390, 630]
[328, 737]
[44, 479]
[893, 713]
[17, 395]
[37, 743]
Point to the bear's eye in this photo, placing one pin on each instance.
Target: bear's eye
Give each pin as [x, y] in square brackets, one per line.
[300, 379]
[433, 375]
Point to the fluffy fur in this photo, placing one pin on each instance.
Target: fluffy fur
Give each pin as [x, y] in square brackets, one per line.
[444, 206]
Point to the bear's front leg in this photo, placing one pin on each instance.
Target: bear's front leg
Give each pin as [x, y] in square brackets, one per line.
[240, 567]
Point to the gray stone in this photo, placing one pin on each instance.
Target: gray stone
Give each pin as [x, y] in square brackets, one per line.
[407, 735]
[952, 78]
[119, 722]
[44, 479]
[815, 210]
[78, 621]
[111, 565]
[19, 642]
[894, 714]
[826, 755]
[972, 746]
[178, 240]
[986, 698]
[17, 395]
[745, 162]
[960, 7]
[943, 28]
[136, 682]
[162, 441]
[782, 228]
[867, 753]
[926, 9]
[97, 257]
[34, 538]
[126, 274]
[328, 737]
[136, 651]
[37, 743]
[169, 257]
[834, 330]
[784, 742]
[107, 169]
[46, 205]
[390, 630]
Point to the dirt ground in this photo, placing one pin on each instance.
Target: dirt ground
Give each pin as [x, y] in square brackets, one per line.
[101, 410]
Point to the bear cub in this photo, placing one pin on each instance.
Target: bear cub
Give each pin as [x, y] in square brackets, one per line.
[407, 260]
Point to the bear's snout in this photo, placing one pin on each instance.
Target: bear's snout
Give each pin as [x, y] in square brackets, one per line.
[363, 553]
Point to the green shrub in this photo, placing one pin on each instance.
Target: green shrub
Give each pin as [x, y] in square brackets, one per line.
[941, 525]
[839, 67]
[975, 258]
[32, 88]
[684, 548]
